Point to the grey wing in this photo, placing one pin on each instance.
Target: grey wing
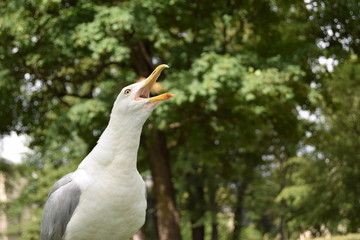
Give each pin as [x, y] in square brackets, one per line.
[60, 205]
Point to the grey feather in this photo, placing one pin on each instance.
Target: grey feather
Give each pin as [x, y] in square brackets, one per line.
[60, 206]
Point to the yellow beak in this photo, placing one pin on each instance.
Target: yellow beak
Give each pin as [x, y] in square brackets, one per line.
[150, 81]
[161, 97]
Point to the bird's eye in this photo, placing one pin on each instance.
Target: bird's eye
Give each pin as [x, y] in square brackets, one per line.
[127, 91]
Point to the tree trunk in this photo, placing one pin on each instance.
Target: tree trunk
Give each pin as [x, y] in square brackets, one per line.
[214, 210]
[213, 207]
[282, 228]
[166, 212]
[197, 211]
[239, 211]
[198, 231]
[214, 231]
[140, 58]
[196, 204]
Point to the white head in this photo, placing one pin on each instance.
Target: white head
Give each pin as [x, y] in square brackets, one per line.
[133, 104]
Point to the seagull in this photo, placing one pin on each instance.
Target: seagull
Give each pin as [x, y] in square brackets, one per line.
[104, 198]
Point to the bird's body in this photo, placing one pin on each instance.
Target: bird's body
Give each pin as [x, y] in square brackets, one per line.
[123, 205]
[124, 194]
[105, 197]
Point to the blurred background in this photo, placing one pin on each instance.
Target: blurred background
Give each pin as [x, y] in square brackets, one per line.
[262, 140]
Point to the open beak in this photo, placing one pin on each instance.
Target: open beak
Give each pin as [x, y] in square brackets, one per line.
[144, 91]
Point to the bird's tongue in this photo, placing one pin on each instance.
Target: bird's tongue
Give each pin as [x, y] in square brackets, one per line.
[144, 92]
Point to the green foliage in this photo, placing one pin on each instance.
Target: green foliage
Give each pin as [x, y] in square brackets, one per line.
[337, 146]
[240, 70]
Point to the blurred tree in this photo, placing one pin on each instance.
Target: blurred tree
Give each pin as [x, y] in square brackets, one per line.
[227, 143]
[328, 181]
[338, 146]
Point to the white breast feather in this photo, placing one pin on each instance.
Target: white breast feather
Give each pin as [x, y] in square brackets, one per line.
[121, 206]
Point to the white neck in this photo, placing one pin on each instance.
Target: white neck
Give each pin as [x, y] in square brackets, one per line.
[117, 146]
